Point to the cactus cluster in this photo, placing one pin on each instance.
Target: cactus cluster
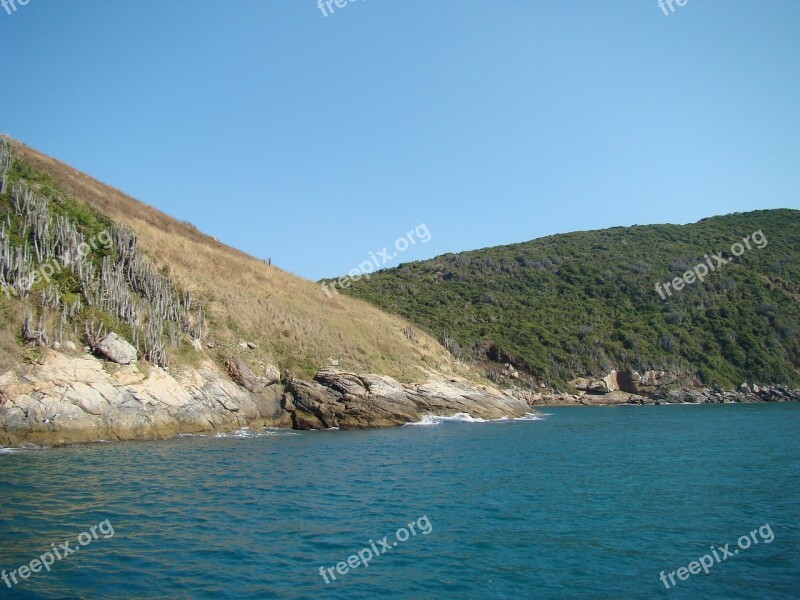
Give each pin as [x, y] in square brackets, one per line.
[166, 307]
[122, 284]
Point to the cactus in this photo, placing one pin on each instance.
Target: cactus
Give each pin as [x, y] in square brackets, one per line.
[451, 346]
[5, 162]
[93, 334]
[50, 298]
[31, 333]
[16, 265]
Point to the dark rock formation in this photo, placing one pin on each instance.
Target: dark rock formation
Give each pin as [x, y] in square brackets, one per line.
[337, 398]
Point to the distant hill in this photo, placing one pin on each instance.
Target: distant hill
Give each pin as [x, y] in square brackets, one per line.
[584, 303]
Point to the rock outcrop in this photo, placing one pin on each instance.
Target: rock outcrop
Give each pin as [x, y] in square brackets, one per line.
[631, 382]
[341, 399]
[650, 387]
[337, 398]
[65, 399]
[241, 374]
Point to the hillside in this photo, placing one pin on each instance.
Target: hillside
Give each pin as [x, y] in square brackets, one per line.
[235, 299]
[582, 304]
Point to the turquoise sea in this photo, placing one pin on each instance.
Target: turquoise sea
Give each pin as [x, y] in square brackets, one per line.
[582, 503]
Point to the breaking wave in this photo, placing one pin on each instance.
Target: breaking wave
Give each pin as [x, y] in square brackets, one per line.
[430, 420]
[244, 432]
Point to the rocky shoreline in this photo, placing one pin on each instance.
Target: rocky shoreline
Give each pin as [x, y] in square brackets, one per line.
[677, 396]
[67, 397]
[651, 388]
[70, 397]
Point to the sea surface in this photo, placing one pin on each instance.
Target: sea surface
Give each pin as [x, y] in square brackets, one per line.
[581, 503]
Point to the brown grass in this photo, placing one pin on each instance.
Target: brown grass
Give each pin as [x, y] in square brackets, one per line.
[293, 322]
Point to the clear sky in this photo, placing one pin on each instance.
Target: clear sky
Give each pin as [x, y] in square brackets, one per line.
[316, 140]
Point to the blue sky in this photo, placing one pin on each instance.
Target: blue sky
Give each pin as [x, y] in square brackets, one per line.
[316, 140]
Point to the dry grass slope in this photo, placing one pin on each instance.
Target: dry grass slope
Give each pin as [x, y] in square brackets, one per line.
[291, 320]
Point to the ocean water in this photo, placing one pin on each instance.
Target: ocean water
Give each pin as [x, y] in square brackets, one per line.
[582, 503]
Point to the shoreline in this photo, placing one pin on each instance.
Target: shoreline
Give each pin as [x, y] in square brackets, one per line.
[66, 399]
[72, 398]
[426, 421]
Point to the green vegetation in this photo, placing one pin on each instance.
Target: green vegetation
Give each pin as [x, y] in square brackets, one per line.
[583, 303]
[89, 221]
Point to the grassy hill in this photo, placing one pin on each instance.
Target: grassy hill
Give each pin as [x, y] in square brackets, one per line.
[179, 294]
[583, 303]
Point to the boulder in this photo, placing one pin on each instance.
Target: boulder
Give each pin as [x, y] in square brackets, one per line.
[271, 374]
[598, 386]
[117, 350]
[581, 383]
[646, 383]
[606, 385]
